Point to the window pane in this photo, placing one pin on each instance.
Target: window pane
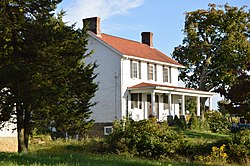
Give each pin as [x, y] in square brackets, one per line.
[151, 72]
[134, 100]
[165, 74]
[135, 70]
[165, 101]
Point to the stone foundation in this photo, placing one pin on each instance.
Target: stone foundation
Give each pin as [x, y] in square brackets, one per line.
[97, 130]
[8, 144]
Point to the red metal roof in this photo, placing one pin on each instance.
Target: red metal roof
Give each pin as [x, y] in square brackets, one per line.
[133, 48]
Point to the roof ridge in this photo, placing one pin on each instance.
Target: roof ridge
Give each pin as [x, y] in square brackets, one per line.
[134, 48]
[124, 39]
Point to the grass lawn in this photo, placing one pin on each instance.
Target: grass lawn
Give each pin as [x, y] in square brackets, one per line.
[205, 136]
[73, 153]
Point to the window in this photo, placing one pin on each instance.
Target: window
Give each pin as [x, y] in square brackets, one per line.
[135, 69]
[165, 74]
[136, 100]
[165, 102]
[108, 130]
[151, 72]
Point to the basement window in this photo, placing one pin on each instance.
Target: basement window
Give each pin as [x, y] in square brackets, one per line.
[108, 130]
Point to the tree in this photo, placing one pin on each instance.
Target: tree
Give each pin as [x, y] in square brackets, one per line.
[239, 97]
[215, 49]
[44, 78]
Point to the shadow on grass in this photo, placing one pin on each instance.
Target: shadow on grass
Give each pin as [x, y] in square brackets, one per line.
[71, 155]
[61, 153]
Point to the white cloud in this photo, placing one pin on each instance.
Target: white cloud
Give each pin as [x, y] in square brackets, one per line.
[79, 9]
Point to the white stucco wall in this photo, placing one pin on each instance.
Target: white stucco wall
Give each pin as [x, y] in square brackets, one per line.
[174, 76]
[108, 96]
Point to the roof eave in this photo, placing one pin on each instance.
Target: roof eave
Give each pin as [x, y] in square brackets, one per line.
[174, 89]
[153, 61]
[104, 43]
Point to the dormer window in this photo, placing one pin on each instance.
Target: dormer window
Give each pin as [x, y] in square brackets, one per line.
[135, 69]
[165, 74]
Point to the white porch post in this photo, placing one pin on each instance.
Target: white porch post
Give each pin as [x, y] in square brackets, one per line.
[210, 103]
[153, 102]
[183, 104]
[170, 103]
[129, 105]
[198, 106]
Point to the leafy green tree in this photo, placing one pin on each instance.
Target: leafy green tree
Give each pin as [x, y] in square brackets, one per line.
[44, 79]
[215, 47]
[239, 97]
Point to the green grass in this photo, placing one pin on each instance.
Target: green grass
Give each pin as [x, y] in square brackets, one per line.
[206, 136]
[60, 153]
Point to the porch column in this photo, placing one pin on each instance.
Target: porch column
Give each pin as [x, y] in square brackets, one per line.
[210, 103]
[198, 106]
[153, 102]
[183, 104]
[170, 103]
[128, 112]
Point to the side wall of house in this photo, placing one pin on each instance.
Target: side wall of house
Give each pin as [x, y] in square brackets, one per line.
[108, 96]
[8, 138]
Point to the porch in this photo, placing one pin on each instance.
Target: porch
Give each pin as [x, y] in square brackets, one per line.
[162, 101]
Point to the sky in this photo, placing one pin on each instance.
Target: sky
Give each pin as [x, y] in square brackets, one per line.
[128, 18]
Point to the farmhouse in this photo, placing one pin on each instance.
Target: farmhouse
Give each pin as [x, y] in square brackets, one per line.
[8, 137]
[135, 80]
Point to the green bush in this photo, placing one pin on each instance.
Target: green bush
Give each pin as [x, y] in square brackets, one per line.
[145, 138]
[239, 148]
[180, 122]
[217, 123]
[238, 153]
[193, 123]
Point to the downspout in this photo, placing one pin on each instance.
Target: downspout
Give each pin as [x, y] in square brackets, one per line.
[121, 85]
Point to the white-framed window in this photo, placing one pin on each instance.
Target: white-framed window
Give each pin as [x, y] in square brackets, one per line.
[165, 102]
[165, 74]
[135, 67]
[136, 100]
[151, 71]
[108, 130]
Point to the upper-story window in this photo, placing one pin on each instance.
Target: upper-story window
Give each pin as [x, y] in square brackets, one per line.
[166, 74]
[152, 72]
[135, 69]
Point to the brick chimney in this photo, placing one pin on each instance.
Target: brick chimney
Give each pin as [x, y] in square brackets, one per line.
[93, 24]
[147, 38]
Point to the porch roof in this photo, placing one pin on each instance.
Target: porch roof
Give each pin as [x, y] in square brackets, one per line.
[160, 88]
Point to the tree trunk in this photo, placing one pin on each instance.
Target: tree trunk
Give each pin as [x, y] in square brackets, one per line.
[27, 125]
[202, 87]
[20, 129]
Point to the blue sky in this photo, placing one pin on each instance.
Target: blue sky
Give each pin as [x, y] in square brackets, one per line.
[128, 18]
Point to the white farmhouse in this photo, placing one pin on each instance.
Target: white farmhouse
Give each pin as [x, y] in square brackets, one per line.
[135, 79]
[8, 137]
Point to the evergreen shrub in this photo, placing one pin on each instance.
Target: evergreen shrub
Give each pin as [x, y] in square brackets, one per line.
[217, 123]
